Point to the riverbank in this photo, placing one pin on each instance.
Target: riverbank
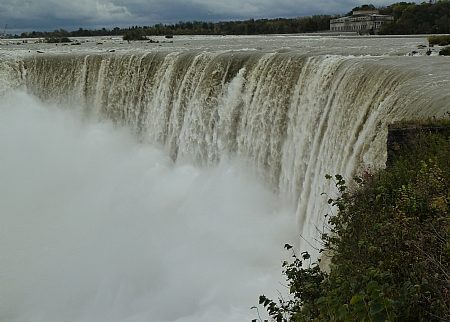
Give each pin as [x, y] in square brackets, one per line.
[390, 241]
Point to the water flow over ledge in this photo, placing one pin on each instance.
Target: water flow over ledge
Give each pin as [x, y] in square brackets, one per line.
[293, 117]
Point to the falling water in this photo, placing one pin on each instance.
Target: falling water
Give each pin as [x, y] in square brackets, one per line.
[294, 118]
[161, 185]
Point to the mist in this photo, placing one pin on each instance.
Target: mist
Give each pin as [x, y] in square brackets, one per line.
[99, 227]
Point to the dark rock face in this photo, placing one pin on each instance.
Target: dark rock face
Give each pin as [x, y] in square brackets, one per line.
[401, 139]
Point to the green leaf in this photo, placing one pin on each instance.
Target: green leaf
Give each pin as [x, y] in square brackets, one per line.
[376, 308]
[321, 300]
[356, 299]
[379, 318]
[262, 298]
[306, 255]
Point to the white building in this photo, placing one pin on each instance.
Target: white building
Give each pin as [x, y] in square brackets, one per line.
[362, 22]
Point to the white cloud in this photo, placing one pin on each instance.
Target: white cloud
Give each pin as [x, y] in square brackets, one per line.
[109, 11]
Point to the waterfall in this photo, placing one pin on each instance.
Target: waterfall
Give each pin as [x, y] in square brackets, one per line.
[293, 117]
[183, 219]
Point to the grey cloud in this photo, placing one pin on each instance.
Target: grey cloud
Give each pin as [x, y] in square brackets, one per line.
[52, 14]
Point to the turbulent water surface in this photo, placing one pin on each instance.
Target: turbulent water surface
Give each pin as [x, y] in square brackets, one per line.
[158, 182]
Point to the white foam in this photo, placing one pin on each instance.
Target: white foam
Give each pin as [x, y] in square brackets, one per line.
[96, 227]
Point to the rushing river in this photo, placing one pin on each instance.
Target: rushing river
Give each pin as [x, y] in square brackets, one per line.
[159, 181]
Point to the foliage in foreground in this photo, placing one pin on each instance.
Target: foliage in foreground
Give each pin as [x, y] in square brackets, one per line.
[390, 242]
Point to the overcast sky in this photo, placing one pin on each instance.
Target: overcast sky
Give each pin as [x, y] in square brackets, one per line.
[22, 15]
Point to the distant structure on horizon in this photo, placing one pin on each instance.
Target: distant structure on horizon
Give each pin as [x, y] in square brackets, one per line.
[361, 21]
[3, 33]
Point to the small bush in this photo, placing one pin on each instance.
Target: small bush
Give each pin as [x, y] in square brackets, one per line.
[134, 35]
[445, 51]
[439, 40]
[390, 242]
[57, 40]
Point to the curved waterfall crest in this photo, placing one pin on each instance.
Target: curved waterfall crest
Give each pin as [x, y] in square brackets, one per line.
[293, 117]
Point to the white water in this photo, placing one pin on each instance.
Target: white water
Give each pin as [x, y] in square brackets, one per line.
[292, 118]
[99, 227]
[96, 227]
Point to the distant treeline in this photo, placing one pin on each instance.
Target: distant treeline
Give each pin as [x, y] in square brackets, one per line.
[411, 18]
[247, 27]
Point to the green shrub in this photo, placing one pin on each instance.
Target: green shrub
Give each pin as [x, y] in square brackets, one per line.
[445, 51]
[439, 40]
[390, 246]
[57, 40]
[134, 35]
